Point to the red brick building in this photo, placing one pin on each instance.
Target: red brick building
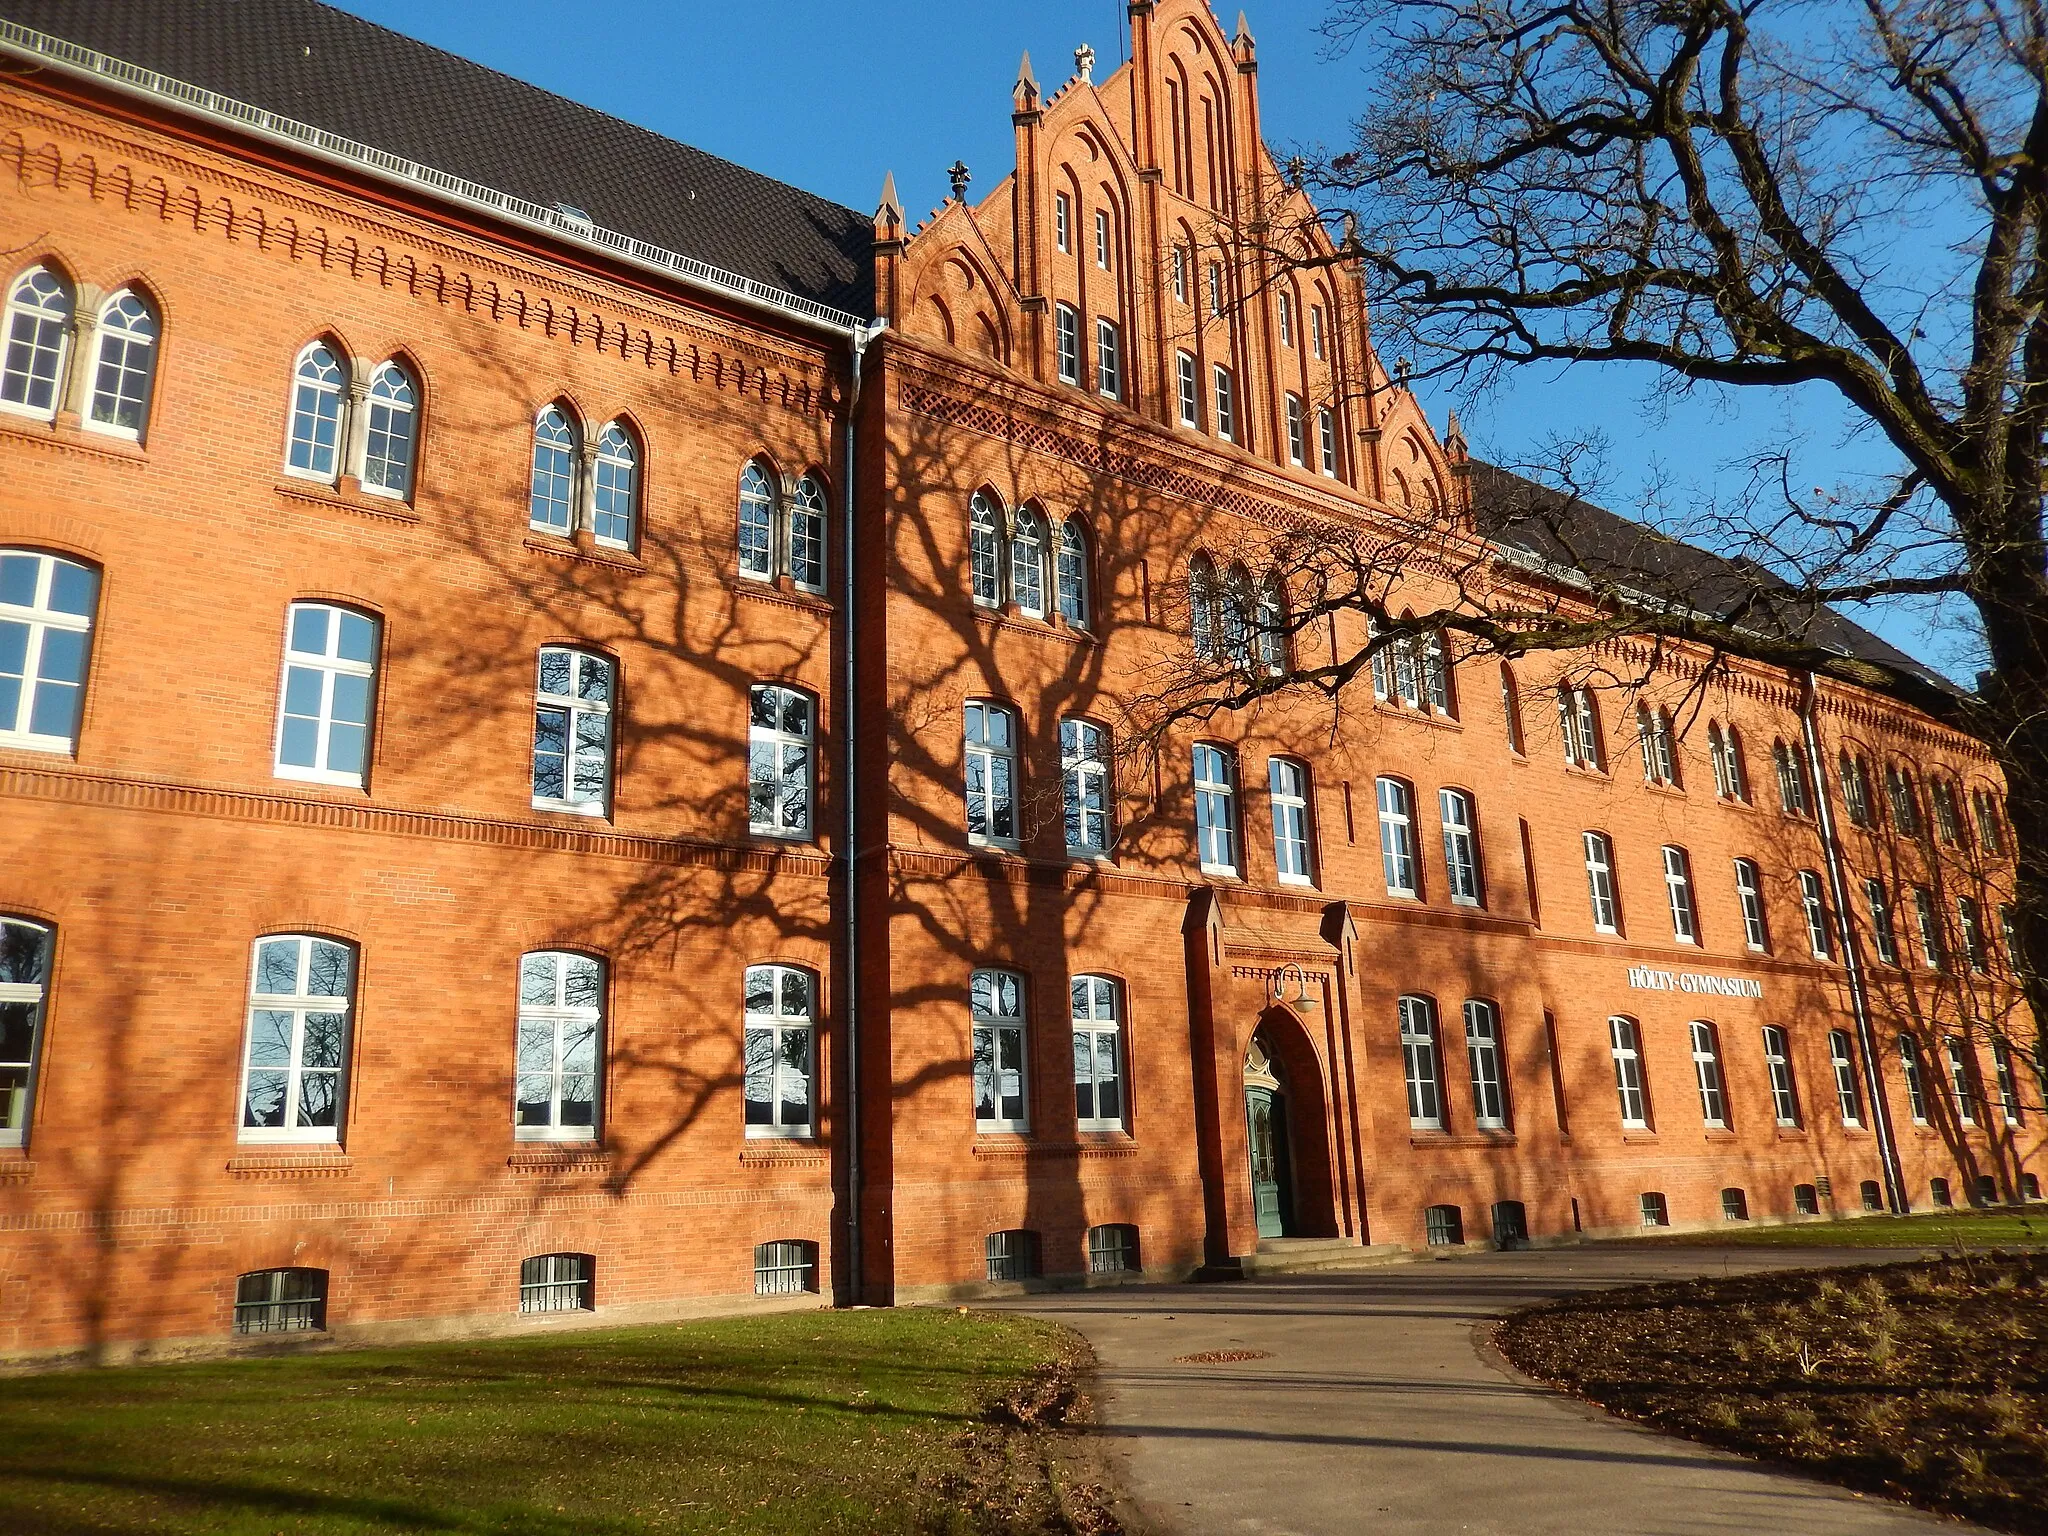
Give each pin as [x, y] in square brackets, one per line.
[448, 542]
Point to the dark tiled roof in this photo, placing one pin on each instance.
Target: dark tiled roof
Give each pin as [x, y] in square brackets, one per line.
[335, 71]
[1612, 549]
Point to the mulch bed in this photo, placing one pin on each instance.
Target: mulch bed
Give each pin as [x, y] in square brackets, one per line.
[1927, 1382]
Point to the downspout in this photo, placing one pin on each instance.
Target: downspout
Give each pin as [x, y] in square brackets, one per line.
[1852, 955]
[850, 1028]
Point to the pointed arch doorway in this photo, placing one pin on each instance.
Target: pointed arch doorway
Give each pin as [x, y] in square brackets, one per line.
[1265, 1117]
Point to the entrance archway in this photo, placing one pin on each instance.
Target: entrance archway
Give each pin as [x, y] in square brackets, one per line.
[1265, 1118]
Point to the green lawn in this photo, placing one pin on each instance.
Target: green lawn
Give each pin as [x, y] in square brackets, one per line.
[796, 1422]
[1937, 1229]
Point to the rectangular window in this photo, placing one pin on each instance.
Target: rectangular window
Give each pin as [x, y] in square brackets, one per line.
[1102, 239]
[1778, 1062]
[1461, 847]
[1848, 1096]
[1397, 837]
[1062, 222]
[46, 613]
[1226, 405]
[2008, 1085]
[1970, 924]
[991, 753]
[1109, 359]
[781, 1025]
[1297, 432]
[561, 1040]
[1098, 1054]
[281, 1301]
[1882, 935]
[572, 732]
[1959, 1080]
[556, 1282]
[1706, 1066]
[1419, 1061]
[1678, 887]
[1012, 1255]
[1288, 782]
[1215, 810]
[1215, 288]
[24, 985]
[295, 1060]
[1813, 900]
[1916, 1087]
[1066, 338]
[1625, 1047]
[323, 716]
[1286, 319]
[1933, 948]
[1113, 1249]
[1190, 400]
[778, 762]
[1326, 439]
[1084, 778]
[1482, 1051]
[1180, 274]
[1656, 1212]
[1749, 891]
[997, 1007]
[1600, 882]
[788, 1268]
[1315, 329]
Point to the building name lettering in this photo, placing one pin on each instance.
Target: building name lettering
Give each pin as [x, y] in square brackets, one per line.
[1647, 978]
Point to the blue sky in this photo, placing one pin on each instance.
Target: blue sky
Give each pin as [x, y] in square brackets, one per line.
[829, 96]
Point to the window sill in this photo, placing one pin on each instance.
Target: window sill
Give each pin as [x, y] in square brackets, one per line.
[314, 1162]
[559, 1157]
[782, 593]
[49, 746]
[1048, 627]
[322, 493]
[1422, 1140]
[1791, 1132]
[314, 778]
[584, 551]
[565, 808]
[784, 1152]
[42, 432]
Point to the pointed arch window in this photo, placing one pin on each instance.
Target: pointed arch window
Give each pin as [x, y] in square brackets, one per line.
[1237, 617]
[1511, 710]
[807, 534]
[313, 452]
[1273, 625]
[757, 522]
[1027, 562]
[1205, 603]
[125, 370]
[1725, 748]
[1578, 722]
[985, 549]
[615, 492]
[38, 338]
[1790, 764]
[1659, 744]
[391, 440]
[551, 498]
[1072, 573]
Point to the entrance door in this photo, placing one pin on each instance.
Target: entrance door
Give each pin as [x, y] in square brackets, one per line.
[1265, 1113]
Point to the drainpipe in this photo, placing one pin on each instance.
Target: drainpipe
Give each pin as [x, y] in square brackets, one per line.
[850, 1028]
[1852, 956]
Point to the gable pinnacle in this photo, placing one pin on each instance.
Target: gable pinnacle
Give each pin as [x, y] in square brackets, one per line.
[1024, 95]
[1084, 63]
[960, 176]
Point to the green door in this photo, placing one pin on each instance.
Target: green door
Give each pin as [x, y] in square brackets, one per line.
[1265, 1114]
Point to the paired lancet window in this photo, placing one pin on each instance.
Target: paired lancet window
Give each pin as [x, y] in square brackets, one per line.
[326, 440]
[1019, 560]
[36, 374]
[782, 530]
[594, 485]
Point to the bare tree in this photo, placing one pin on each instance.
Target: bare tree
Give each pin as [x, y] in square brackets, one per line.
[1845, 195]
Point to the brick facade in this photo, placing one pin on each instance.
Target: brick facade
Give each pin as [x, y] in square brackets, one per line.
[164, 846]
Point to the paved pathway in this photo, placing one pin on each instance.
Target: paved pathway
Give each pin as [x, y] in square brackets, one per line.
[1376, 1411]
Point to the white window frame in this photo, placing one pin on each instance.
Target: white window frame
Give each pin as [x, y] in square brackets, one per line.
[1027, 562]
[1463, 880]
[2008, 1084]
[997, 1009]
[1190, 390]
[330, 667]
[1420, 1063]
[1086, 800]
[1933, 942]
[23, 316]
[552, 482]
[561, 1017]
[989, 734]
[805, 538]
[1070, 573]
[986, 545]
[1916, 1085]
[1315, 329]
[1855, 787]
[1599, 851]
[773, 750]
[767, 1034]
[1970, 929]
[298, 1004]
[1784, 1086]
[1483, 1052]
[1226, 404]
[1579, 724]
[1625, 1047]
[1813, 902]
[1884, 936]
[1287, 785]
[1398, 865]
[1286, 314]
[391, 432]
[310, 400]
[1947, 815]
[1066, 342]
[1215, 780]
[1905, 804]
[575, 708]
[1297, 433]
[39, 620]
[1109, 358]
[125, 359]
[1180, 274]
[1790, 762]
[1848, 1095]
[756, 529]
[1959, 1080]
[1749, 894]
[1062, 222]
[615, 488]
[1097, 1008]
[1685, 920]
[1102, 240]
[27, 955]
[1706, 1068]
[1216, 305]
[1326, 439]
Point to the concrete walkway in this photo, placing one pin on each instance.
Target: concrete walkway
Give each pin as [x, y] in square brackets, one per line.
[1376, 1411]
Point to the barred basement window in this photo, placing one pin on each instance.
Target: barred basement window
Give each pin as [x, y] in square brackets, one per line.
[1938, 1192]
[1734, 1205]
[1985, 1191]
[2030, 1187]
[1013, 1255]
[1510, 1224]
[787, 1268]
[1113, 1249]
[1444, 1226]
[281, 1301]
[1656, 1213]
[556, 1282]
[1873, 1197]
[1805, 1199]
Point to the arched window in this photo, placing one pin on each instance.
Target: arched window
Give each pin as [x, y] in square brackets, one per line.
[1625, 1046]
[1436, 675]
[1073, 573]
[315, 445]
[1205, 602]
[1578, 722]
[1916, 1085]
[1098, 1054]
[1749, 894]
[1848, 1095]
[1778, 1063]
[561, 1029]
[1511, 710]
[807, 534]
[991, 763]
[1215, 772]
[1084, 773]
[1273, 625]
[1898, 783]
[1297, 431]
[391, 440]
[1706, 1067]
[551, 502]
[1600, 882]
[779, 762]
[295, 1060]
[781, 1027]
[1027, 562]
[1947, 821]
[1855, 787]
[1238, 617]
[1461, 846]
[1731, 777]
[1685, 923]
[572, 731]
[757, 521]
[1483, 1055]
[47, 605]
[615, 496]
[1397, 836]
[38, 334]
[1790, 764]
[1407, 670]
[1066, 333]
[24, 985]
[1419, 1064]
[985, 549]
[125, 368]
[330, 680]
[996, 1004]
[1660, 746]
[1287, 783]
[1326, 439]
